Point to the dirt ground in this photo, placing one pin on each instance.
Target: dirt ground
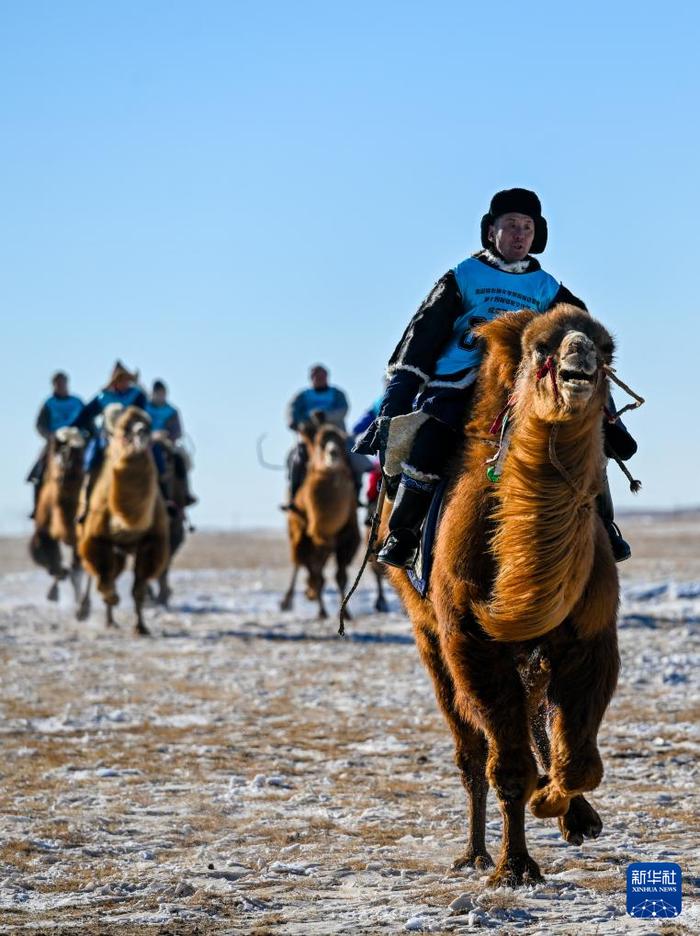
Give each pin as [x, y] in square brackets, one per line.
[244, 771]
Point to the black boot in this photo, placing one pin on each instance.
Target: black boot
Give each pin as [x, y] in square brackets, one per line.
[620, 547]
[401, 546]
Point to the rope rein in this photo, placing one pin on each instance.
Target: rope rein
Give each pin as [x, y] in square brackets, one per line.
[371, 540]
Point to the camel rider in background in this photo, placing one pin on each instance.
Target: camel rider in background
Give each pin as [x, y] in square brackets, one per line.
[435, 365]
[59, 410]
[320, 397]
[165, 418]
[123, 388]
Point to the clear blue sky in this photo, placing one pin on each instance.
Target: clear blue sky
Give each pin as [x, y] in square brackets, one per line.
[221, 193]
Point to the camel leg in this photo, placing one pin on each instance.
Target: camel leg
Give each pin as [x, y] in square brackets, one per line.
[470, 751]
[147, 564]
[288, 601]
[583, 679]
[489, 693]
[76, 575]
[106, 563]
[341, 580]
[82, 612]
[164, 591]
[380, 604]
[52, 594]
[581, 821]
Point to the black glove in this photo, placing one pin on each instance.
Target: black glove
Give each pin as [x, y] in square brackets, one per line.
[374, 438]
[618, 442]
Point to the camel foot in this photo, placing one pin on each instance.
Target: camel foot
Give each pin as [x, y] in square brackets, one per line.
[549, 800]
[164, 597]
[141, 630]
[381, 606]
[323, 614]
[52, 594]
[481, 860]
[516, 871]
[83, 610]
[581, 821]
[286, 603]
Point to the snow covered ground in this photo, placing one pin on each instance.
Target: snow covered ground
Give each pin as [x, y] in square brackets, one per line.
[244, 771]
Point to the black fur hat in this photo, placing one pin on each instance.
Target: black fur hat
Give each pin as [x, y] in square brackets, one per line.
[524, 202]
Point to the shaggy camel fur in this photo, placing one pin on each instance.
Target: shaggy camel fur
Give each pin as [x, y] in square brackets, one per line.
[519, 629]
[54, 521]
[323, 521]
[126, 516]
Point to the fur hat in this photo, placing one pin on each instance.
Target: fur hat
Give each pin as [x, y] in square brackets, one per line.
[120, 371]
[522, 201]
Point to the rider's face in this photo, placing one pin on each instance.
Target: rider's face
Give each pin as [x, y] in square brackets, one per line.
[60, 386]
[512, 235]
[122, 384]
[158, 397]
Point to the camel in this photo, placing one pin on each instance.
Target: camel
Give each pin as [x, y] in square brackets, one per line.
[174, 489]
[518, 630]
[57, 504]
[323, 521]
[126, 515]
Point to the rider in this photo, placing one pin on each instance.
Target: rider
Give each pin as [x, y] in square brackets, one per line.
[123, 388]
[59, 410]
[319, 397]
[434, 367]
[165, 418]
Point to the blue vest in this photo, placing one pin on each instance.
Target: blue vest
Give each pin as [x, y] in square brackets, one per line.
[134, 396]
[62, 411]
[160, 415]
[487, 293]
[324, 400]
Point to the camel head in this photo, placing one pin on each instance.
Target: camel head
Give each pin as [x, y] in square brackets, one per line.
[329, 449]
[131, 433]
[561, 369]
[553, 363]
[66, 452]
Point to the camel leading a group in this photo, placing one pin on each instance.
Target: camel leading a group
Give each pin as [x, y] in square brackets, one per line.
[518, 631]
[126, 516]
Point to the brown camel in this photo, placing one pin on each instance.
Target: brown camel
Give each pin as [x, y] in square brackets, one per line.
[174, 489]
[519, 629]
[323, 521]
[57, 504]
[126, 516]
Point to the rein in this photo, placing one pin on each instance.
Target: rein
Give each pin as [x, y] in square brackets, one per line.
[503, 423]
[371, 540]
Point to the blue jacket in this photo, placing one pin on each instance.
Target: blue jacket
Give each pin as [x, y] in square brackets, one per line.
[134, 396]
[331, 401]
[57, 412]
[165, 417]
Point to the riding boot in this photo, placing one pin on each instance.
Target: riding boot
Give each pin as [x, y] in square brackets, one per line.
[411, 505]
[296, 467]
[36, 487]
[620, 547]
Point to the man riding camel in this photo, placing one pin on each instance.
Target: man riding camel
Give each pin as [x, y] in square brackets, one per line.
[319, 397]
[59, 410]
[122, 388]
[166, 418]
[435, 365]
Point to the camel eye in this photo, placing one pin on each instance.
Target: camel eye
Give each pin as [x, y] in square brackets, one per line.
[541, 349]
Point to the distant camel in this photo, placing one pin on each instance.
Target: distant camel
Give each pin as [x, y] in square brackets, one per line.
[57, 504]
[323, 520]
[126, 515]
[519, 629]
[174, 488]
